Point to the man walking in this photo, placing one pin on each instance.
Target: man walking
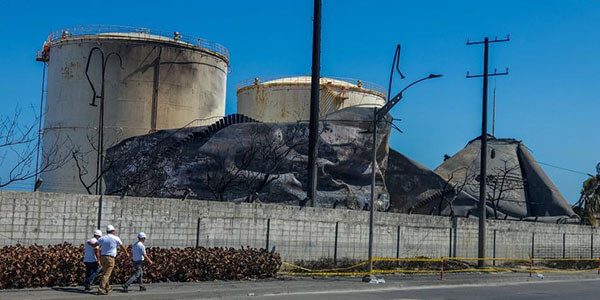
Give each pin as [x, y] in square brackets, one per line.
[108, 244]
[91, 259]
[139, 256]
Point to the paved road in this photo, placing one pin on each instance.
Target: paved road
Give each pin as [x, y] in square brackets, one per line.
[547, 290]
[454, 286]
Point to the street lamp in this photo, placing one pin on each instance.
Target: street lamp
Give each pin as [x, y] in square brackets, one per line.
[100, 147]
[378, 115]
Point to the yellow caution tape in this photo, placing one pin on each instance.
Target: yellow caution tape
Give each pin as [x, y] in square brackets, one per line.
[562, 271]
[565, 259]
[325, 274]
[404, 271]
[326, 270]
[480, 270]
[408, 259]
[336, 271]
[296, 266]
[487, 258]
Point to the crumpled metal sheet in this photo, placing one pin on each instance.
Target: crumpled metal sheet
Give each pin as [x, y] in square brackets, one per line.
[266, 162]
[413, 187]
[527, 192]
[245, 155]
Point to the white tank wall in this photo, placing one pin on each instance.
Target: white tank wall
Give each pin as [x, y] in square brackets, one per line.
[290, 102]
[191, 85]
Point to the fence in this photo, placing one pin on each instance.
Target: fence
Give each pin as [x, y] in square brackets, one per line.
[299, 234]
[445, 265]
[336, 240]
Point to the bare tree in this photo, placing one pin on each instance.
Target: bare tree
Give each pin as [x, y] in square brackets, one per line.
[84, 156]
[271, 147]
[258, 161]
[19, 150]
[221, 175]
[456, 183]
[502, 183]
[143, 174]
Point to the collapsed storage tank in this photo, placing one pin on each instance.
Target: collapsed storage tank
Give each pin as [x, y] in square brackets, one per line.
[287, 99]
[152, 80]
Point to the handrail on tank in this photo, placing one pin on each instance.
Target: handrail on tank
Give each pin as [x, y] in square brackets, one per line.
[306, 79]
[77, 31]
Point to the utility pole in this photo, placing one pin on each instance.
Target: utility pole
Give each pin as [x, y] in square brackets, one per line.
[372, 205]
[313, 134]
[494, 110]
[483, 163]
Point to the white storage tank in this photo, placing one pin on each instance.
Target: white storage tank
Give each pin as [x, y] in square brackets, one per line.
[287, 99]
[166, 80]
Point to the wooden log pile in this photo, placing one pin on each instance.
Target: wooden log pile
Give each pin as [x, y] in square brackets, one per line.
[62, 265]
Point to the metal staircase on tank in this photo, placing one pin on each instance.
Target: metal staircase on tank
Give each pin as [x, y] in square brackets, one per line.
[209, 130]
[431, 198]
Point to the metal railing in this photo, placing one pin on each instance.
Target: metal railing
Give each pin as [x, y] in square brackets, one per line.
[137, 32]
[306, 79]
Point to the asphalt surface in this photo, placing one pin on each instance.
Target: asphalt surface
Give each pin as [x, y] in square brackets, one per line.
[429, 286]
[587, 289]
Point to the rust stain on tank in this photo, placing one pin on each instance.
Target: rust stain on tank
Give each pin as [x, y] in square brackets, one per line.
[67, 69]
[260, 94]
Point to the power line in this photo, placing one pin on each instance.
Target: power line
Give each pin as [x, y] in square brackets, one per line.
[547, 164]
[564, 169]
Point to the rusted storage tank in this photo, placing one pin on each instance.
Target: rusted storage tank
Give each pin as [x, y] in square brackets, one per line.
[287, 99]
[152, 80]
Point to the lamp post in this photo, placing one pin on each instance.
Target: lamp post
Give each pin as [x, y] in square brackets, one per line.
[378, 115]
[100, 146]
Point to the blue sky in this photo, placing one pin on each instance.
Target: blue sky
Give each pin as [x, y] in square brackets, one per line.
[549, 100]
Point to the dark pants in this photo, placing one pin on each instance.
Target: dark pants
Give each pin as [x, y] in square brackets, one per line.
[91, 271]
[137, 274]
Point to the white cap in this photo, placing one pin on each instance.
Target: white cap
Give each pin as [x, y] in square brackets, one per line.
[110, 228]
[97, 232]
[141, 235]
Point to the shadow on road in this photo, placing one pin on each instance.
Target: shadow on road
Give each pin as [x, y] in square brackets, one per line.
[71, 290]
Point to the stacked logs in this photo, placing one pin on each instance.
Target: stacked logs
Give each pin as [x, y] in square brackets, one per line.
[61, 265]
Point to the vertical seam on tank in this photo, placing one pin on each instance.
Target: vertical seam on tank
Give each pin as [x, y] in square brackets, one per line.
[155, 87]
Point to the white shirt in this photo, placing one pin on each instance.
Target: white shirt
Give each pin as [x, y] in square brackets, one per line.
[89, 255]
[138, 250]
[109, 244]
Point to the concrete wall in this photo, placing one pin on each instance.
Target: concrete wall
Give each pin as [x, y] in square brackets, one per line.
[307, 233]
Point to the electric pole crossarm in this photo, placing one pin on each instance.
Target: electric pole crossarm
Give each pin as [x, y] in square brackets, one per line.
[489, 75]
[495, 40]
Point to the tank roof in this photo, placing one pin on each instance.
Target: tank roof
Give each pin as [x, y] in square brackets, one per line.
[135, 33]
[306, 80]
